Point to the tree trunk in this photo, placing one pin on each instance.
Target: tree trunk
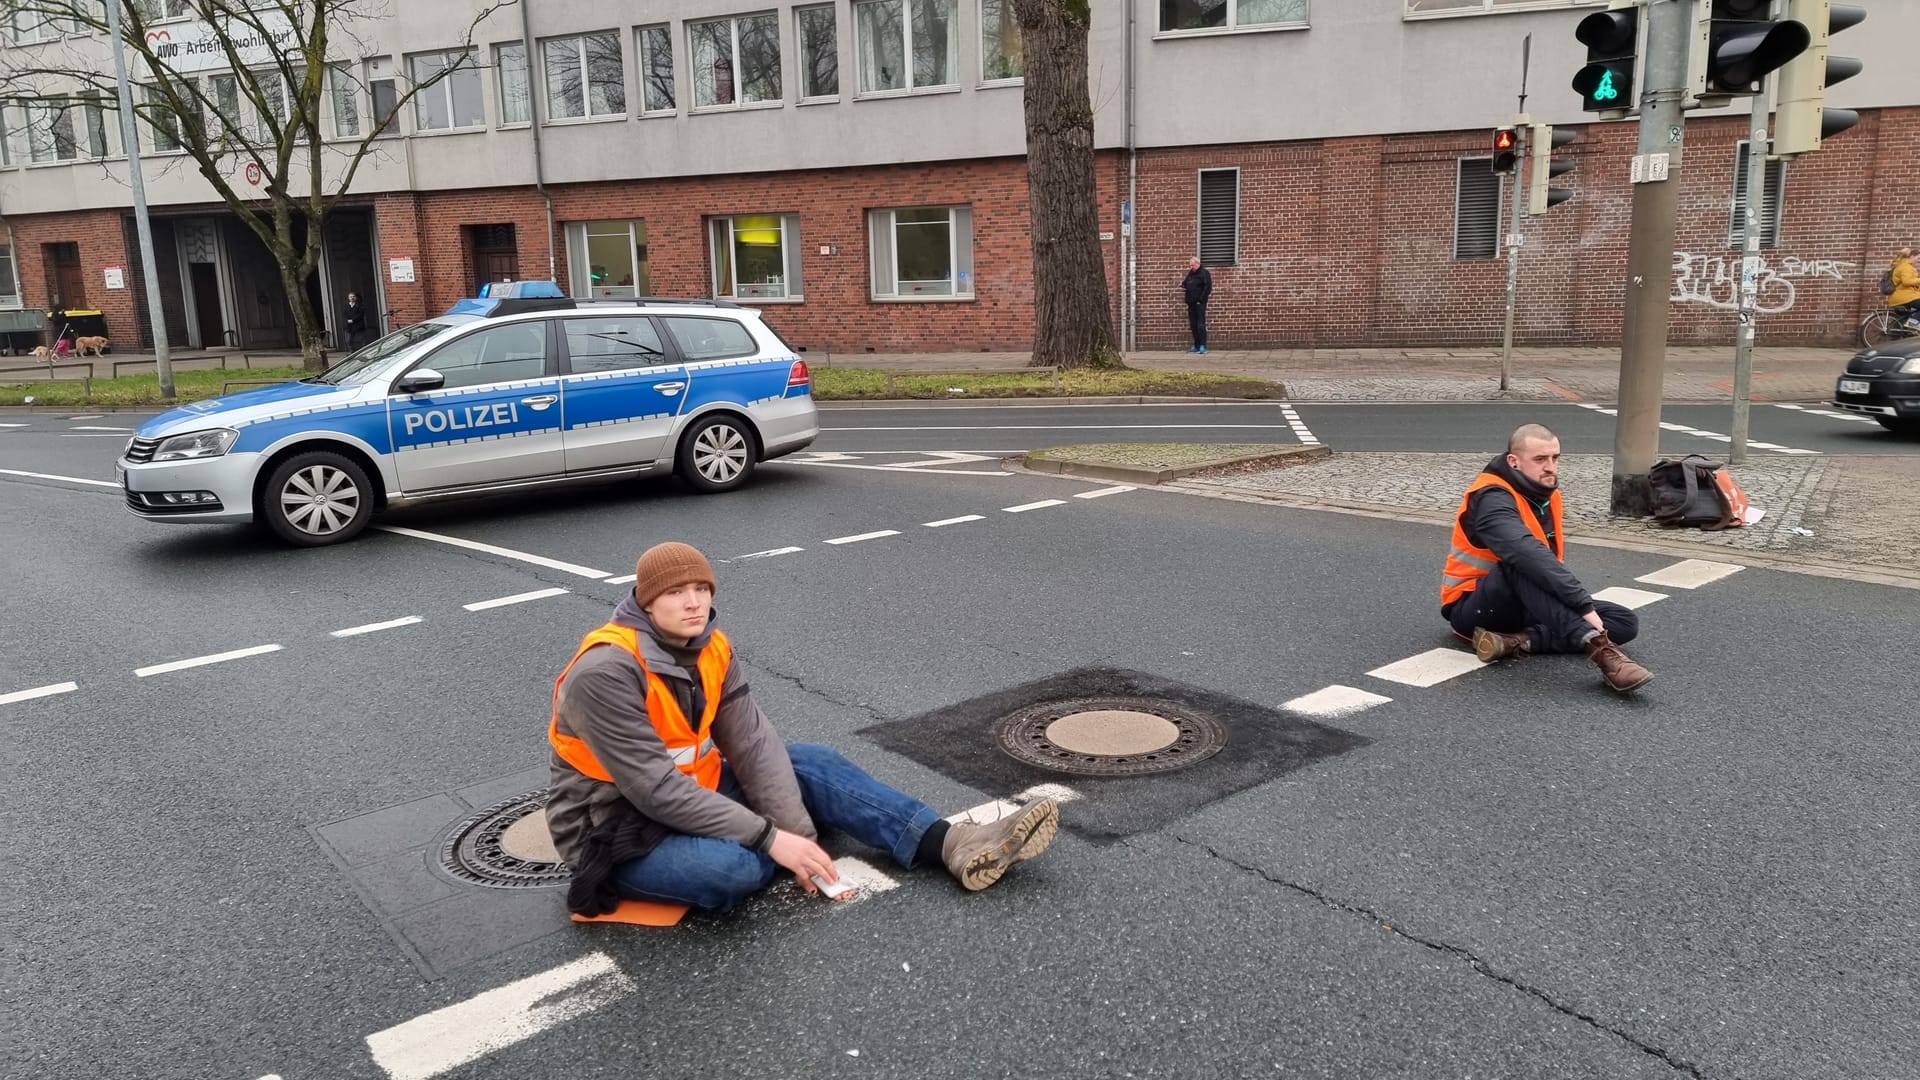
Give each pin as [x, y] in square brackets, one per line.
[1073, 317]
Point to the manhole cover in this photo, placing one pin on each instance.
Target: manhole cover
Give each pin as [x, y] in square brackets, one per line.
[1110, 736]
[506, 846]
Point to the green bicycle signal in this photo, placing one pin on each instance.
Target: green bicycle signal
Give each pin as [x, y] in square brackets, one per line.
[1605, 91]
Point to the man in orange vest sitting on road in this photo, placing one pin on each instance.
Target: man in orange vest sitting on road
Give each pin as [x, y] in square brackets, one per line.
[670, 784]
[1506, 586]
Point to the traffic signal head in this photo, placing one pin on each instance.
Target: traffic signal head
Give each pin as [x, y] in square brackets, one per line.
[1737, 43]
[1612, 39]
[1801, 119]
[1542, 167]
[1506, 149]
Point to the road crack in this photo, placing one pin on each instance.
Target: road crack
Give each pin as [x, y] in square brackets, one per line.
[801, 684]
[1479, 965]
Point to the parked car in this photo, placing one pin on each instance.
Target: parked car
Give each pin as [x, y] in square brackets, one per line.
[497, 394]
[1884, 382]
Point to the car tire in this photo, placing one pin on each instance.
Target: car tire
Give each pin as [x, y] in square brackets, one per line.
[717, 454]
[317, 498]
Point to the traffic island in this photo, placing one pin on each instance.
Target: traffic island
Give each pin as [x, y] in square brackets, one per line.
[1159, 463]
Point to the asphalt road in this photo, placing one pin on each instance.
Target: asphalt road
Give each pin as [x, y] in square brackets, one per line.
[1516, 875]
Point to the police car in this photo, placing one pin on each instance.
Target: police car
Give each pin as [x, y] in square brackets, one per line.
[503, 392]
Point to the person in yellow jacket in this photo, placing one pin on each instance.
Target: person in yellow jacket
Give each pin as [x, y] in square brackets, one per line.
[1506, 586]
[1905, 297]
[669, 783]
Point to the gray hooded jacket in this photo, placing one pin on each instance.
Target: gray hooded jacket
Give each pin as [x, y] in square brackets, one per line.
[603, 701]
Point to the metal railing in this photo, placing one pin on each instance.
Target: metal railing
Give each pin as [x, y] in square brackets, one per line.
[245, 361]
[86, 381]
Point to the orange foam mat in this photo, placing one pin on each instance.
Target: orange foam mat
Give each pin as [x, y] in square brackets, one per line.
[640, 913]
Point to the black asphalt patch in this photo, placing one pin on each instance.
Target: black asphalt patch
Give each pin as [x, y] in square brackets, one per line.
[1262, 744]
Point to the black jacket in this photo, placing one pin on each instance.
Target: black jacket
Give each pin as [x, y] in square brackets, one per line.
[355, 317]
[1493, 521]
[1198, 285]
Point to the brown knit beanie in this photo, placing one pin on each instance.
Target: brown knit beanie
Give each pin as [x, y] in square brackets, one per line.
[665, 565]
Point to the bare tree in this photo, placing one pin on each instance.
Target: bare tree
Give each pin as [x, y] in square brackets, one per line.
[280, 61]
[1073, 316]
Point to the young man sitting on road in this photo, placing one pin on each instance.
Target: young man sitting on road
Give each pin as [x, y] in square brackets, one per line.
[1506, 587]
[670, 784]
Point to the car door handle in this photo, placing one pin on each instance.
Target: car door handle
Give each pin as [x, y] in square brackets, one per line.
[671, 387]
[540, 399]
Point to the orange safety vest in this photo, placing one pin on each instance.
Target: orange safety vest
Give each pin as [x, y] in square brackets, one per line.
[692, 747]
[1467, 564]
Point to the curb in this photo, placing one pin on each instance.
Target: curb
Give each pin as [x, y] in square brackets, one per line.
[1041, 461]
[1015, 402]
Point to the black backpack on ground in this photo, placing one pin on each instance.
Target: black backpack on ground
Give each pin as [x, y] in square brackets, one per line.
[1685, 494]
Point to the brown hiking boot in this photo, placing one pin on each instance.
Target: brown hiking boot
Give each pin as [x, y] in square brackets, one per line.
[1491, 645]
[1616, 667]
[976, 855]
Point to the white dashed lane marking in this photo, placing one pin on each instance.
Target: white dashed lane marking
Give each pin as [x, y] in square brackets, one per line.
[858, 537]
[1702, 434]
[445, 1039]
[203, 661]
[38, 692]
[944, 522]
[1854, 417]
[1334, 701]
[1629, 598]
[1041, 505]
[866, 879]
[768, 554]
[1690, 574]
[1102, 493]
[624, 579]
[507, 553]
[356, 631]
[517, 598]
[1429, 668]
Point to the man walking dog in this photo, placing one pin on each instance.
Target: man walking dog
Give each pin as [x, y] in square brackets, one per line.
[670, 784]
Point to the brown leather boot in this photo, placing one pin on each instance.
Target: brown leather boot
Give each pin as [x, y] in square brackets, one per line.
[1616, 667]
[1491, 645]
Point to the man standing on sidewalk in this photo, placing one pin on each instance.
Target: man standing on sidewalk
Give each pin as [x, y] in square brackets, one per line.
[670, 784]
[1198, 288]
[1506, 586]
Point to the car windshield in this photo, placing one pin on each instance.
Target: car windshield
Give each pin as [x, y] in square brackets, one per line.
[359, 367]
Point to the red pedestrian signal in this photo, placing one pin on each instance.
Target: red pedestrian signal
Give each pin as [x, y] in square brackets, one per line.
[1506, 149]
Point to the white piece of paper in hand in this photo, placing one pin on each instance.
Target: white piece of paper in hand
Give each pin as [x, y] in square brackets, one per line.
[834, 890]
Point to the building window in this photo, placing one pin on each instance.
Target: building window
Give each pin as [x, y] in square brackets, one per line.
[756, 258]
[95, 111]
[28, 24]
[584, 76]
[225, 91]
[162, 124]
[50, 130]
[1484, 7]
[612, 343]
[735, 61]
[516, 95]
[9, 281]
[275, 106]
[1476, 209]
[386, 98]
[1771, 201]
[1178, 15]
[999, 41]
[924, 251]
[456, 100]
[1219, 217]
[656, 70]
[344, 98]
[819, 37]
[890, 32]
[607, 258]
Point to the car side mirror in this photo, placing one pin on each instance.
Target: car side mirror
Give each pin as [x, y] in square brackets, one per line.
[419, 380]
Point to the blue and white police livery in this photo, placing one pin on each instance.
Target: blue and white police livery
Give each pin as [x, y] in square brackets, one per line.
[497, 394]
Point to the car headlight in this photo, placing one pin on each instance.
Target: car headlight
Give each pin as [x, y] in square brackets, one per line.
[1911, 366]
[199, 444]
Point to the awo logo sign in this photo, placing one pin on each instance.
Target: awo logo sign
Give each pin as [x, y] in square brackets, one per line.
[190, 47]
[155, 37]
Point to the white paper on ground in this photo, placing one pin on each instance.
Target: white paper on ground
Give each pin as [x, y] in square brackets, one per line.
[1753, 514]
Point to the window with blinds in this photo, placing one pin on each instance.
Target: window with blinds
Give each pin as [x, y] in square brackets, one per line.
[1219, 217]
[1771, 201]
[1476, 210]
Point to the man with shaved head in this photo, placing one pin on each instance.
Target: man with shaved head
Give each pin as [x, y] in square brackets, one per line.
[1506, 586]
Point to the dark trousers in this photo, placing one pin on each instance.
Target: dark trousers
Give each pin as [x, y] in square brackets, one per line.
[1197, 322]
[1508, 603]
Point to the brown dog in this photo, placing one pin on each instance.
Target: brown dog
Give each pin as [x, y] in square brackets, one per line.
[97, 344]
[41, 352]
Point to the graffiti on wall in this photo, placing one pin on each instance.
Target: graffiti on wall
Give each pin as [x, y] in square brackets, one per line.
[1714, 280]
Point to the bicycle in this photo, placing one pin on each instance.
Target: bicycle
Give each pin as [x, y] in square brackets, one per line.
[1882, 326]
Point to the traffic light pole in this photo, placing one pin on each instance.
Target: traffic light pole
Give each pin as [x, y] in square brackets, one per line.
[1513, 230]
[1756, 201]
[1643, 332]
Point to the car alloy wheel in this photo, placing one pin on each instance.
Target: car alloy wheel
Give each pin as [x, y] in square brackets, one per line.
[320, 499]
[717, 454]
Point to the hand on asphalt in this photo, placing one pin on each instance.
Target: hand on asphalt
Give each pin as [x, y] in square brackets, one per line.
[804, 857]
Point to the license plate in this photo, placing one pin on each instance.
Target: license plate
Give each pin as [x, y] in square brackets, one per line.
[1854, 386]
[120, 475]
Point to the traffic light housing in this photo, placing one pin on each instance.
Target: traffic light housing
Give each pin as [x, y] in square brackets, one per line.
[1801, 118]
[1737, 43]
[1542, 167]
[1612, 38]
[1506, 149]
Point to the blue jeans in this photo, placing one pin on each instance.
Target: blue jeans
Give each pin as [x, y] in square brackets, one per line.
[1509, 603]
[717, 874]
